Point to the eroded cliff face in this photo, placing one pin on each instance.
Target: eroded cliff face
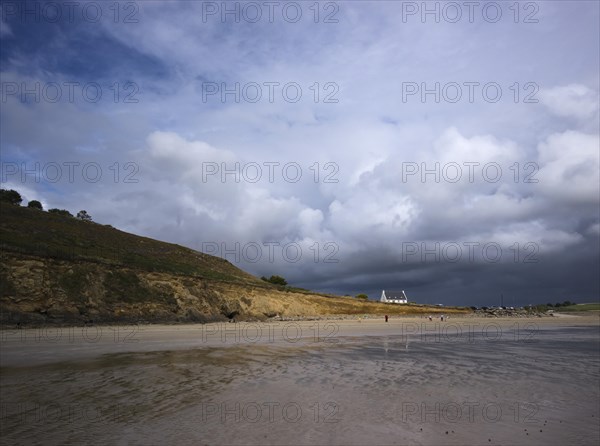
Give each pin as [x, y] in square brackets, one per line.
[44, 290]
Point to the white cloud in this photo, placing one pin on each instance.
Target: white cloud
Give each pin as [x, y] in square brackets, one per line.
[570, 167]
[574, 100]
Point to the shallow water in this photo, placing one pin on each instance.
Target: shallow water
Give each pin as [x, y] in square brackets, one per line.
[393, 389]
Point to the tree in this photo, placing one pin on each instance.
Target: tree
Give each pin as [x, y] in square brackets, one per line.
[10, 196]
[34, 204]
[362, 296]
[62, 212]
[277, 280]
[83, 215]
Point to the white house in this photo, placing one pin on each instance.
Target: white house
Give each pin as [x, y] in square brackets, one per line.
[393, 297]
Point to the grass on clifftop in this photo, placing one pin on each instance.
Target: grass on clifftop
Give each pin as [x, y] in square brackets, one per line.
[38, 233]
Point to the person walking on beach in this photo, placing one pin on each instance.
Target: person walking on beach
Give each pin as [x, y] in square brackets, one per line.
[386, 317]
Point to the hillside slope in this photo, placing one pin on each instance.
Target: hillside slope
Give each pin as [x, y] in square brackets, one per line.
[62, 270]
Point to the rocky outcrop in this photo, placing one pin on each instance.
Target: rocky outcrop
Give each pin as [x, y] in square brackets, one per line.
[48, 290]
[510, 312]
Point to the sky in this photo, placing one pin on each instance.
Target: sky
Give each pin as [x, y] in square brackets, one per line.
[448, 150]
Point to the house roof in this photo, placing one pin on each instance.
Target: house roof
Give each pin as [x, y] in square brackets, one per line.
[395, 295]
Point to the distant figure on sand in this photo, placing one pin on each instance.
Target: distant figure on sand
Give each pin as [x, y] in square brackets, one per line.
[430, 318]
[386, 317]
[442, 318]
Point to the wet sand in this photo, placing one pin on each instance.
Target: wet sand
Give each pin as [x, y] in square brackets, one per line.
[411, 381]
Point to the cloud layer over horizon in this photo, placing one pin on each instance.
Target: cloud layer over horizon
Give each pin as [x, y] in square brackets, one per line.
[330, 165]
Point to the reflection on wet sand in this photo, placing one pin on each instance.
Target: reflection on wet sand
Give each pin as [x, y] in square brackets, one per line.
[383, 389]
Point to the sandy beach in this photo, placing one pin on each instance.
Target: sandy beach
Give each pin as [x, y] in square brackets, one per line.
[466, 381]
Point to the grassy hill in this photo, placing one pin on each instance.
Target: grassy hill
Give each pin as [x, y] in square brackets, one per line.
[580, 307]
[33, 232]
[59, 269]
